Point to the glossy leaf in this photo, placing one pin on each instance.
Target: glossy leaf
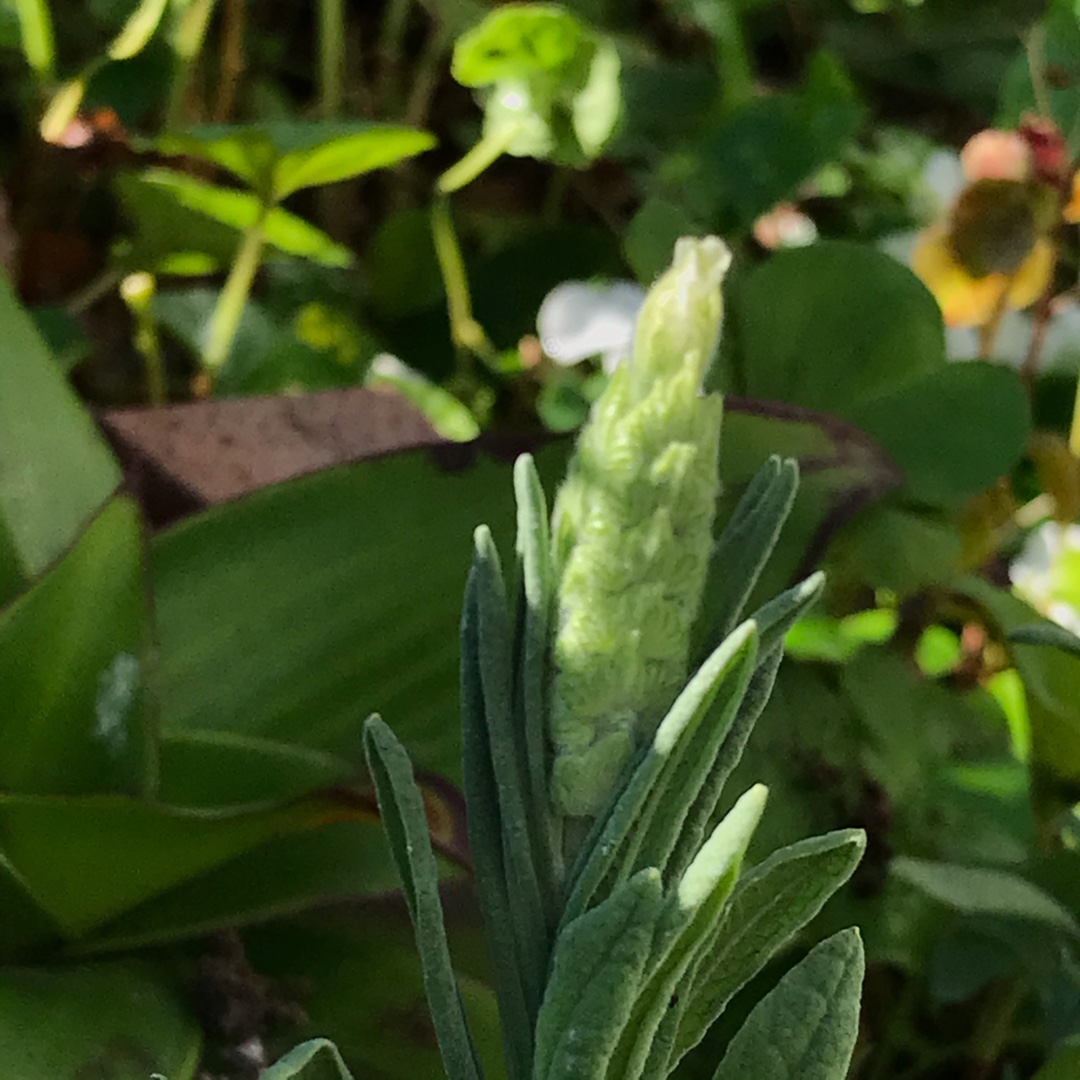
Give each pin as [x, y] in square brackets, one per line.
[72, 651]
[125, 1020]
[55, 470]
[805, 1028]
[87, 860]
[346, 603]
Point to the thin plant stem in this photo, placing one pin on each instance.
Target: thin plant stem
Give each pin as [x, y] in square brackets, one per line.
[733, 55]
[187, 43]
[993, 1030]
[137, 291]
[392, 45]
[484, 154]
[331, 58]
[466, 332]
[426, 74]
[232, 58]
[229, 309]
[989, 331]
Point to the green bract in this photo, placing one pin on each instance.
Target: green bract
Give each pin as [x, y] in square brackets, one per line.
[633, 533]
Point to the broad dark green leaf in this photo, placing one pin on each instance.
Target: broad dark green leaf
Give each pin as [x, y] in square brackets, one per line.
[337, 863]
[296, 612]
[55, 470]
[405, 822]
[88, 860]
[125, 1020]
[72, 654]
[805, 1028]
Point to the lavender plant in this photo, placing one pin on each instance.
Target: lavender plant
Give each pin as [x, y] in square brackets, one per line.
[619, 918]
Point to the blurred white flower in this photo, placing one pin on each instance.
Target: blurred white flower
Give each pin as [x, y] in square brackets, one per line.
[580, 319]
[785, 225]
[1046, 573]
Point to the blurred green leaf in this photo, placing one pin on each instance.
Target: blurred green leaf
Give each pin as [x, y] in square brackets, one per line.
[317, 1059]
[551, 86]
[87, 860]
[138, 30]
[280, 157]
[55, 470]
[36, 28]
[517, 42]
[294, 613]
[71, 651]
[972, 890]
[1064, 1065]
[1051, 681]
[822, 638]
[118, 1021]
[236, 209]
[448, 416]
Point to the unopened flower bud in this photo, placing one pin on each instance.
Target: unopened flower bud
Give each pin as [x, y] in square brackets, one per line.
[633, 534]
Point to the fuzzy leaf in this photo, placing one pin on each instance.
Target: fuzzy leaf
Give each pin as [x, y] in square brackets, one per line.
[596, 972]
[805, 1028]
[402, 808]
[768, 907]
[746, 544]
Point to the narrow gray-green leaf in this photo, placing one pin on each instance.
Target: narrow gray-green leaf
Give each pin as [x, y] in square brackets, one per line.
[768, 907]
[402, 809]
[508, 760]
[747, 542]
[531, 662]
[596, 971]
[805, 1028]
[692, 913]
[316, 1059]
[484, 822]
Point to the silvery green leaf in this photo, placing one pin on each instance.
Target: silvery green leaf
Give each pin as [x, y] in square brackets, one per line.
[316, 1059]
[531, 665]
[746, 543]
[805, 1028]
[405, 822]
[486, 596]
[771, 904]
[597, 968]
[695, 725]
[692, 913]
